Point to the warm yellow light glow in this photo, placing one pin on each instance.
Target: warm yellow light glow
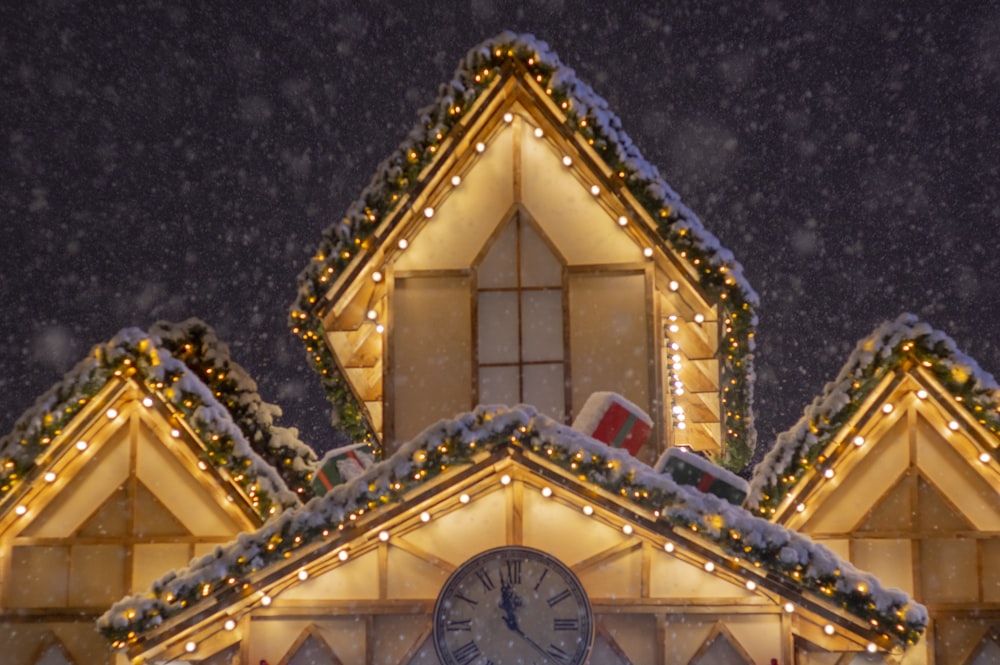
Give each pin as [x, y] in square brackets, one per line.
[456, 180]
[871, 648]
[342, 555]
[508, 117]
[887, 408]
[673, 286]
[709, 566]
[383, 536]
[668, 547]
[147, 402]
[627, 529]
[81, 445]
[751, 585]
[546, 492]
[505, 479]
[425, 516]
[480, 147]
[953, 425]
[567, 160]
[111, 413]
[190, 647]
[588, 510]
[539, 133]
[859, 440]
[50, 477]
[595, 190]
[403, 244]
[428, 212]
[20, 510]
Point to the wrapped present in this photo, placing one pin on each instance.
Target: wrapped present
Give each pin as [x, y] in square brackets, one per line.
[689, 468]
[611, 418]
[339, 466]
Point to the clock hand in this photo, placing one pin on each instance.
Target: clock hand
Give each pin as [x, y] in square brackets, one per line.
[509, 602]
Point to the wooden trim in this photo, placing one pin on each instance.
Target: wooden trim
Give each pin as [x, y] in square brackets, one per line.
[645, 574]
[717, 631]
[401, 543]
[654, 352]
[626, 546]
[388, 361]
[517, 158]
[49, 640]
[307, 632]
[383, 570]
[440, 272]
[991, 635]
[370, 638]
[417, 645]
[515, 512]
[601, 630]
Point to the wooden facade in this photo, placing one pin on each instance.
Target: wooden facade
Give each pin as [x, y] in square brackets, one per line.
[659, 595]
[121, 497]
[910, 489]
[544, 287]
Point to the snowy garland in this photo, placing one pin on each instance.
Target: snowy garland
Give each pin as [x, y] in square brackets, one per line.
[196, 344]
[894, 344]
[588, 116]
[450, 443]
[132, 354]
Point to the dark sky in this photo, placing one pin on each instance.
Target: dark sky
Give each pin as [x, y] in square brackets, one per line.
[167, 160]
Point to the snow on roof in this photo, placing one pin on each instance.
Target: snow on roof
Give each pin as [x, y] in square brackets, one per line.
[794, 558]
[148, 360]
[194, 342]
[891, 345]
[588, 117]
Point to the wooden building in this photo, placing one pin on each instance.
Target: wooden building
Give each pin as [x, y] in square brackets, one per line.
[895, 468]
[519, 249]
[127, 468]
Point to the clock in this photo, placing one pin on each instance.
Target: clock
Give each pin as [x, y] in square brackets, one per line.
[513, 606]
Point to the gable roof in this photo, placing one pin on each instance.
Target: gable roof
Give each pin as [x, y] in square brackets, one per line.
[906, 345]
[40, 435]
[584, 118]
[768, 554]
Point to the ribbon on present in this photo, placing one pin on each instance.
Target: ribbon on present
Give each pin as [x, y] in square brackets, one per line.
[612, 419]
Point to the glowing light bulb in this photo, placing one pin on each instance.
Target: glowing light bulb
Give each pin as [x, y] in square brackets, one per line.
[456, 180]
[403, 243]
[229, 625]
[922, 394]
[984, 458]
[465, 498]
[699, 318]
[546, 492]
[480, 147]
[380, 328]
[539, 133]
[372, 314]
[647, 252]
[383, 536]
[887, 408]
[508, 117]
[871, 648]
[376, 276]
[673, 286]
[81, 445]
[428, 212]
[623, 221]
[953, 425]
[505, 479]
[342, 555]
[595, 190]
[265, 600]
[425, 516]
[799, 508]
[751, 585]
[859, 440]
[567, 160]
[668, 547]
[828, 474]
[20, 510]
[588, 510]
[147, 402]
[111, 413]
[627, 529]
[828, 629]
[789, 607]
[190, 647]
[303, 575]
[50, 477]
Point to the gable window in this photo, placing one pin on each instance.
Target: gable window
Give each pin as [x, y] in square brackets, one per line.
[520, 321]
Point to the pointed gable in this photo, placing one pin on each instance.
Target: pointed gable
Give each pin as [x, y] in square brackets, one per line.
[495, 477]
[638, 297]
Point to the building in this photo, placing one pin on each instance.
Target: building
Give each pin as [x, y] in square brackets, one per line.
[516, 249]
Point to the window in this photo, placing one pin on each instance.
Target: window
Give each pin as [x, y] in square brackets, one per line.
[521, 321]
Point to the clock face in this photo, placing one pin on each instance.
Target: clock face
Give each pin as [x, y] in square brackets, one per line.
[513, 606]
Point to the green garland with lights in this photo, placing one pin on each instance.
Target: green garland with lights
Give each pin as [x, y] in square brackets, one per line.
[921, 346]
[336, 518]
[585, 116]
[139, 357]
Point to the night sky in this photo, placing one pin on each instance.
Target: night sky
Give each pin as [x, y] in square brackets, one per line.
[165, 160]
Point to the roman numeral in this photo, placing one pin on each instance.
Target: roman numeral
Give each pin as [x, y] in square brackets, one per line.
[566, 624]
[466, 653]
[513, 571]
[539, 582]
[457, 625]
[484, 577]
[466, 599]
[558, 653]
[558, 598]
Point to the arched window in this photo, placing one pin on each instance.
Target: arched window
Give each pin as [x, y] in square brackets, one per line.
[520, 319]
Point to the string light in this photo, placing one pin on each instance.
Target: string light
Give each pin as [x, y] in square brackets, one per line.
[953, 425]
[21, 510]
[588, 510]
[50, 477]
[859, 441]
[465, 498]
[668, 547]
[673, 285]
[480, 147]
[709, 566]
[789, 607]
[229, 625]
[343, 554]
[546, 492]
[539, 133]
[887, 408]
[303, 575]
[265, 600]
[751, 585]
[81, 445]
[111, 413]
[595, 190]
[376, 276]
[191, 647]
[508, 117]
[147, 402]
[425, 516]
[428, 212]
[984, 458]
[648, 252]
[922, 394]
[623, 220]
[383, 536]
[505, 479]
[627, 529]
[403, 243]
[828, 629]
[456, 180]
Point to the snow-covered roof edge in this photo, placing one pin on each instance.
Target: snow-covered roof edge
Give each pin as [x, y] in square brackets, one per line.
[195, 343]
[134, 354]
[889, 346]
[588, 116]
[795, 558]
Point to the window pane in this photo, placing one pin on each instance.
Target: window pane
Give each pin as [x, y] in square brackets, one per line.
[542, 325]
[499, 266]
[539, 266]
[498, 385]
[545, 390]
[497, 326]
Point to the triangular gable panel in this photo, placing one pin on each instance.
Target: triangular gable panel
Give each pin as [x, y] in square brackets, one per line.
[92, 484]
[189, 494]
[152, 518]
[53, 653]
[721, 648]
[311, 649]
